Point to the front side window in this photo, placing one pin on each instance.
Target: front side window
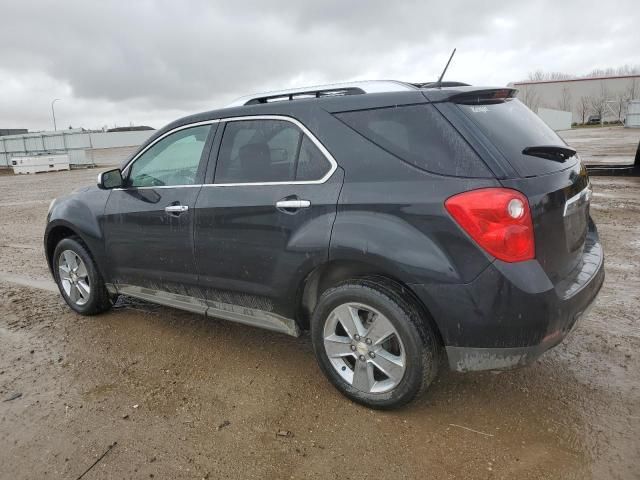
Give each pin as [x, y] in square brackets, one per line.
[172, 161]
[261, 151]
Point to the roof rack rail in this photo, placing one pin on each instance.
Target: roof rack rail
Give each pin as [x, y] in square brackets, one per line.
[335, 89]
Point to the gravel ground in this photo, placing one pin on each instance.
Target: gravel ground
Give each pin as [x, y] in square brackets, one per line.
[604, 145]
[182, 396]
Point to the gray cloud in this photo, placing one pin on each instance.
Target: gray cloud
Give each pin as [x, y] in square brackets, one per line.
[147, 61]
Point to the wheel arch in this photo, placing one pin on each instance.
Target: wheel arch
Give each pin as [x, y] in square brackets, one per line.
[53, 236]
[333, 272]
[58, 231]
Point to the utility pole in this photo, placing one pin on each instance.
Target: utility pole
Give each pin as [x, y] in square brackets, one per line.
[53, 113]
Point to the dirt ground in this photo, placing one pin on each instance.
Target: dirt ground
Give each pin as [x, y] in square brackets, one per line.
[182, 396]
[604, 145]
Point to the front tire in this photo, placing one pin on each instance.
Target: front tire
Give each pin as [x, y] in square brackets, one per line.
[372, 344]
[78, 279]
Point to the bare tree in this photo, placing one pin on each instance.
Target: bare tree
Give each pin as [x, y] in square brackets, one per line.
[600, 72]
[565, 103]
[559, 76]
[583, 108]
[629, 70]
[619, 105]
[537, 76]
[633, 89]
[541, 76]
[624, 70]
[611, 72]
[598, 105]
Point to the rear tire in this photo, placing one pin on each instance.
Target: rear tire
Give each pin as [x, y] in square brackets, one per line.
[372, 344]
[78, 279]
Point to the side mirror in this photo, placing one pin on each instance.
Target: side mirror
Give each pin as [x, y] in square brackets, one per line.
[110, 179]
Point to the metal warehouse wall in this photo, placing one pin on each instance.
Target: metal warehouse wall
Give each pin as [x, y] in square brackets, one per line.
[83, 148]
[568, 95]
[110, 156]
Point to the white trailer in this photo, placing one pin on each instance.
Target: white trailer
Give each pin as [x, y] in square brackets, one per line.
[556, 119]
[40, 163]
[632, 119]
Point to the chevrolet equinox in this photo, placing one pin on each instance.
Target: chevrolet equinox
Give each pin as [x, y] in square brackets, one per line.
[398, 223]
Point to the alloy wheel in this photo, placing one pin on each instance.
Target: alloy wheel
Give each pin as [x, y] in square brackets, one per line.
[364, 348]
[74, 277]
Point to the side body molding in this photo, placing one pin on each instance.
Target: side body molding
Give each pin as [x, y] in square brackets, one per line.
[215, 309]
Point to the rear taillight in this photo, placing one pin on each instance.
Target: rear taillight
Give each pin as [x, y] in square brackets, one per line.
[498, 219]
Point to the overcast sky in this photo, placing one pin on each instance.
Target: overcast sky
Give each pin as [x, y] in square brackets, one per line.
[149, 62]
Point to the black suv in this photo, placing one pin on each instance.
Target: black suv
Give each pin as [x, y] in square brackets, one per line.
[398, 223]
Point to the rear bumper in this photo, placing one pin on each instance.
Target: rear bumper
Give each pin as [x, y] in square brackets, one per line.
[512, 313]
[468, 359]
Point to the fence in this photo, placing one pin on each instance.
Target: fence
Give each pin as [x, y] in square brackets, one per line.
[83, 148]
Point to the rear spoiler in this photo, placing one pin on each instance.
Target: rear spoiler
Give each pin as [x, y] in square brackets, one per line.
[489, 96]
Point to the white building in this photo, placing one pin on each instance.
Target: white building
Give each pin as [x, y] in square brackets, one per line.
[82, 147]
[583, 97]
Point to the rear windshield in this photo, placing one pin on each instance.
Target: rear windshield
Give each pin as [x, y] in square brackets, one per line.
[419, 135]
[512, 127]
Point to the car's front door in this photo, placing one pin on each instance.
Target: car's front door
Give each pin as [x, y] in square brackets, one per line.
[266, 219]
[148, 224]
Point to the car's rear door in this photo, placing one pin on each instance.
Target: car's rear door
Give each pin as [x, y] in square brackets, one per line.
[148, 224]
[265, 219]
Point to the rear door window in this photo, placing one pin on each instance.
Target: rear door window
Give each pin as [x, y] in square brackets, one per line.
[512, 127]
[312, 163]
[420, 136]
[265, 151]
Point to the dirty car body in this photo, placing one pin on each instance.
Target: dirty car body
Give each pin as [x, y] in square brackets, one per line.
[256, 211]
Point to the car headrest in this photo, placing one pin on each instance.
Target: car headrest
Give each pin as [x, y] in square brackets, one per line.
[254, 156]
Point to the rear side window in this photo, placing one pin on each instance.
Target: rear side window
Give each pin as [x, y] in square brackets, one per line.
[512, 127]
[260, 151]
[312, 164]
[419, 135]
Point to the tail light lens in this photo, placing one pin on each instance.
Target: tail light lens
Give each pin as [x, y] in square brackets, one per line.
[498, 219]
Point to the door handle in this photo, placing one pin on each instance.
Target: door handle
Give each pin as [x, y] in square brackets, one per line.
[176, 209]
[293, 204]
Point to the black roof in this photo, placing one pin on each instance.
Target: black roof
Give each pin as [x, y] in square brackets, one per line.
[337, 103]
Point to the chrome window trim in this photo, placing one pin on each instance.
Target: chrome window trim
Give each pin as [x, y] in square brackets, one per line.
[305, 131]
[195, 185]
[300, 125]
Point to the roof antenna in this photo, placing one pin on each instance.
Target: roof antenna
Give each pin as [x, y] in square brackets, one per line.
[438, 84]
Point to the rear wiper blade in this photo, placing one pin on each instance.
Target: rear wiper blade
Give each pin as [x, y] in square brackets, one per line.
[550, 152]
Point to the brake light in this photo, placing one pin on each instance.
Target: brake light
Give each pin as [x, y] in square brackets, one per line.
[498, 219]
[503, 94]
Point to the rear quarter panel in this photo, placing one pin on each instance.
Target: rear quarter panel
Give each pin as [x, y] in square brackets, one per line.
[408, 234]
[392, 215]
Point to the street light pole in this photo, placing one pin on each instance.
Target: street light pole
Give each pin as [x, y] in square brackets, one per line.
[53, 112]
